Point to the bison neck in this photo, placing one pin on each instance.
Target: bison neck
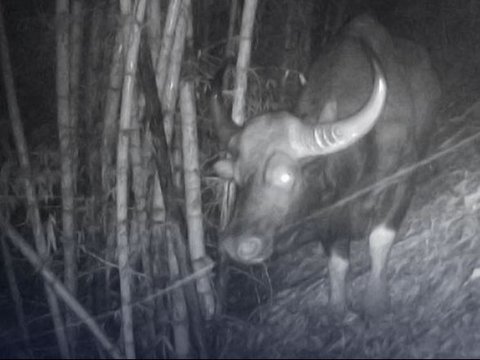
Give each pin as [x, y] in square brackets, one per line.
[331, 180]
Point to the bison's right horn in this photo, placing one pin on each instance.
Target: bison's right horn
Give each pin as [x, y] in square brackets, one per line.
[328, 138]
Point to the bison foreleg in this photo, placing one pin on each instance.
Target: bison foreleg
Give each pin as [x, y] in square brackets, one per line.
[337, 268]
[376, 298]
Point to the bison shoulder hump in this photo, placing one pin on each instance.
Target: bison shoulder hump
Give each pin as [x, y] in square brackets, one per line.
[367, 28]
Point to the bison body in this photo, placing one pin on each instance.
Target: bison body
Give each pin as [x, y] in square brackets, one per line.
[365, 113]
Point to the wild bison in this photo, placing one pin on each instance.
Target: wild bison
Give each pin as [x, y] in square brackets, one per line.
[365, 112]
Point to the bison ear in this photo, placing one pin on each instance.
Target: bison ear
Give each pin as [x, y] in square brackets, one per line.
[224, 169]
[329, 112]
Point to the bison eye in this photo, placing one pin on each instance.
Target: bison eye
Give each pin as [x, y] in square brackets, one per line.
[280, 171]
[282, 176]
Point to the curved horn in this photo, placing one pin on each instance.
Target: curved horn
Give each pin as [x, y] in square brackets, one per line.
[224, 125]
[328, 138]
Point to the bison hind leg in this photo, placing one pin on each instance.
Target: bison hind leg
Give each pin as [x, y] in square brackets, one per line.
[377, 299]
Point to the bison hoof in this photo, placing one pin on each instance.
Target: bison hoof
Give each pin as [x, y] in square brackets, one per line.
[343, 317]
[338, 311]
[376, 304]
[341, 314]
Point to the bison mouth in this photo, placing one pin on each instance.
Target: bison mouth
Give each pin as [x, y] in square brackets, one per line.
[248, 249]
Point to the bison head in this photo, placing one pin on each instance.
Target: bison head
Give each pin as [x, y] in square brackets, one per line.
[265, 164]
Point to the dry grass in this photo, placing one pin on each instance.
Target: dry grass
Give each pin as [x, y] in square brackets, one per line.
[434, 277]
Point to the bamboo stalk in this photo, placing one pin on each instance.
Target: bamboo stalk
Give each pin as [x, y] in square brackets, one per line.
[66, 144]
[243, 61]
[193, 195]
[31, 198]
[180, 326]
[95, 88]
[109, 140]
[111, 110]
[160, 252]
[91, 95]
[75, 43]
[232, 19]
[154, 29]
[176, 145]
[161, 233]
[167, 41]
[141, 174]
[173, 211]
[69, 154]
[170, 93]
[177, 163]
[154, 251]
[132, 33]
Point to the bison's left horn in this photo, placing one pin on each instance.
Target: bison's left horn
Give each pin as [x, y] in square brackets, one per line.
[328, 138]
[224, 125]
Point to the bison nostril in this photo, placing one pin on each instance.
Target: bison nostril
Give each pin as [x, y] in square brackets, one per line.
[249, 248]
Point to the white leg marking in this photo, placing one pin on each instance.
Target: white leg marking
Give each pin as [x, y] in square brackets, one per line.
[380, 241]
[337, 269]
